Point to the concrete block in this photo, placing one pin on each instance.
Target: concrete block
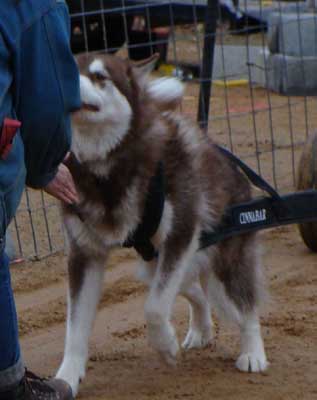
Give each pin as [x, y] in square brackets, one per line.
[293, 34]
[256, 10]
[288, 75]
[265, 72]
[311, 4]
[231, 61]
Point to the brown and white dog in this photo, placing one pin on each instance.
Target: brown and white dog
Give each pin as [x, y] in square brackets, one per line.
[127, 125]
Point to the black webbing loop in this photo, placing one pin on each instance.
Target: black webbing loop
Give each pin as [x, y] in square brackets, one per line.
[254, 177]
[278, 205]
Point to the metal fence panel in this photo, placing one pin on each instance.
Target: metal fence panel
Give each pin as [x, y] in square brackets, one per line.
[250, 71]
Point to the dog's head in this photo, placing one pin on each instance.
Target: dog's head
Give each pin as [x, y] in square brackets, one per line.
[113, 91]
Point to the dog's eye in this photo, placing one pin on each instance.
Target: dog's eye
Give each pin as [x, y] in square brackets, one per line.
[99, 76]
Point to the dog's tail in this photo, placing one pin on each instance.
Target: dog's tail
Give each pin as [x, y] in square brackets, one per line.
[166, 92]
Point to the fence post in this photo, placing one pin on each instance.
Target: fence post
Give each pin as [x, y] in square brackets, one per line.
[207, 62]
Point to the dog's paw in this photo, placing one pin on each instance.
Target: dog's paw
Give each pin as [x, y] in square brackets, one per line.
[197, 338]
[169, 356]
[168, 349]
[251, 362]
[72, 372]
[164, 341]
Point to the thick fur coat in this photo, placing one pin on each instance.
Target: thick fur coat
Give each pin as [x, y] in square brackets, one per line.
[127, 125]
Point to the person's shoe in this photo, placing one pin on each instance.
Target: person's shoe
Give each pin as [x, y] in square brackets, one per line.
[34, 388]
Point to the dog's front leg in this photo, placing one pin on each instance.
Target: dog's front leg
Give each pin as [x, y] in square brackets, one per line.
[85, 283]
[158, 308]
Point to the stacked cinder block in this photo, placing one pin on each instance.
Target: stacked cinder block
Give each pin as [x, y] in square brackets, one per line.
[289, 63]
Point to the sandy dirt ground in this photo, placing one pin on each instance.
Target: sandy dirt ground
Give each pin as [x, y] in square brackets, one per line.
[121, 364]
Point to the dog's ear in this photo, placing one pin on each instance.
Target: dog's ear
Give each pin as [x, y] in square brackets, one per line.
[142, 69]
[146, 66]
[166, 92]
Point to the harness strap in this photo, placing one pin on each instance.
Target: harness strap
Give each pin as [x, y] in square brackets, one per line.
[260, 214]
[153, 211]
[256, 179]
[140, 239]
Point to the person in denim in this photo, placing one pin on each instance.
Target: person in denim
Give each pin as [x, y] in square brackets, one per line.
[39, 88]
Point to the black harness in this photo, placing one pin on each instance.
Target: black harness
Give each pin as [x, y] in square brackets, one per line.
[262, 213]
[153, 210]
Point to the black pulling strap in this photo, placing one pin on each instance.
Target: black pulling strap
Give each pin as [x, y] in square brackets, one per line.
[278, 205]
[254, 178]
[261, 213]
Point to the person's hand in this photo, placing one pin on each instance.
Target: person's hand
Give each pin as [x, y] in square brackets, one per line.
[62, 186]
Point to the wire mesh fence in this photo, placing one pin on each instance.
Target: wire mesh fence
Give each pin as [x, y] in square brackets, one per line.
[250, 68]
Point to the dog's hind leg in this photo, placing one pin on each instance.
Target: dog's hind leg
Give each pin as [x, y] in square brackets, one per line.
[236, 289]
[85, 283]
[200, 332]
[252, 357]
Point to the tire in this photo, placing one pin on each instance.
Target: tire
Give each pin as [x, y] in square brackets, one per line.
[307, 179]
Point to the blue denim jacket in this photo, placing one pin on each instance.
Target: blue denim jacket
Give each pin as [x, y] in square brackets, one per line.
[39, 85]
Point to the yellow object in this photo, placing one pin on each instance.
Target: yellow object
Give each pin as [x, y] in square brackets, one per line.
[166, 69]
[231, 83]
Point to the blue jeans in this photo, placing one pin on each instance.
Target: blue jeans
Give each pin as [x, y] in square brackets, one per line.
[11, 365]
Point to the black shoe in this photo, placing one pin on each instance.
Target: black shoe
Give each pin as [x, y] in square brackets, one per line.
[34, 388]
